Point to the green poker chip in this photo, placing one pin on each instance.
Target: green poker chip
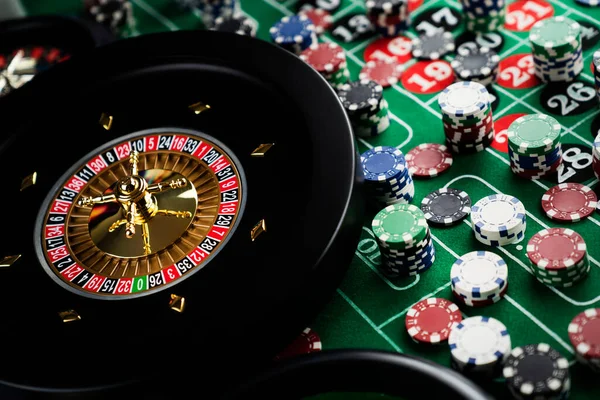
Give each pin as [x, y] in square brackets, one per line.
[555, 36]
[533, 134]
[400, 226]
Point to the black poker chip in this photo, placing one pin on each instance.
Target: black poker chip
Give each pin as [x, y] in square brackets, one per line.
[352, 28]
[537, 370]
[595, 128]
[360, 97]
[437, 18]
[568, 98]
[480, 64]
[590, 34]
[235, 24]
[469, 42]
[446, 206]
[327, 5]
[433, 46]
[576, 165]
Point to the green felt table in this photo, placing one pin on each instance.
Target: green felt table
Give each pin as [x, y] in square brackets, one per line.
[368, 310]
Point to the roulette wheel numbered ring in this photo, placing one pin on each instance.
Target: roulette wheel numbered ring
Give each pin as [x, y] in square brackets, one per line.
[182, 206]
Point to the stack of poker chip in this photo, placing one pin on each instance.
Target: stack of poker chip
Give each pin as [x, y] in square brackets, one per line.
[431, 320]
[478, 66]
[211, 10]
[596, 156]
[557, 49]
[113, 14]
[479, 346]
[558, 257]
[498, 220]
[467, 117]
[479, 278]
[238, 24]
[329, 60]
[387, 177]
[404, 240]
[295, 33]
[483, 16]
[534, 146]
[584, 334]
[537, 371]
[366, 107]
[389, 17]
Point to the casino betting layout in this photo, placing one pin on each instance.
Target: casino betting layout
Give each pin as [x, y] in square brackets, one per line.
[475, 126]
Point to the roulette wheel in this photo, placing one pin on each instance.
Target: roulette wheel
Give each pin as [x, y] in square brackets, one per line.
[176, 213]
[30, 45]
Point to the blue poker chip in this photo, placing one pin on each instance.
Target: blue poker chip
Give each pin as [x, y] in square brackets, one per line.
[295, 29]
[383, 163]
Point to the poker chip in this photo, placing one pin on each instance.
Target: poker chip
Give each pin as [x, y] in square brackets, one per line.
[446, 206]
[114, 14]
[498, 220]
[431, 320]
[386, 72]
[361, 96]
[387, 180]
[212, 10]
[558, 257]
[569, 202]
[479, 275]
[294, 33]
[324, 57]
[433, 46]
[479, 345]
[389, 18]
[584, 334]
[322, 19]
[367, 109]
[464, 99]
[537, 371]
[557, 49]
[556, 248]
[238, 24]
[428, 160]
[404, 240]
[307, 342]
[483, 17]
[478, 66]
[591, 3]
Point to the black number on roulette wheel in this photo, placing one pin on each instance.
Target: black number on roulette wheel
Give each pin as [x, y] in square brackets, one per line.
[179, 212]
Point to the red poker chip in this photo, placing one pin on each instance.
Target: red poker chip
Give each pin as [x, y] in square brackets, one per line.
[385, 72]
[432, 319]
[569, 202]
[428, 160]
[584, 333]
[322, 19]
[308, 342]
[324, 57]
[556, 249]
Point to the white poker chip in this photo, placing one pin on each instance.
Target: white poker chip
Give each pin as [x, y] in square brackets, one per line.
[464, 99]
[498, 216]
[479, 341]
[479, 275]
